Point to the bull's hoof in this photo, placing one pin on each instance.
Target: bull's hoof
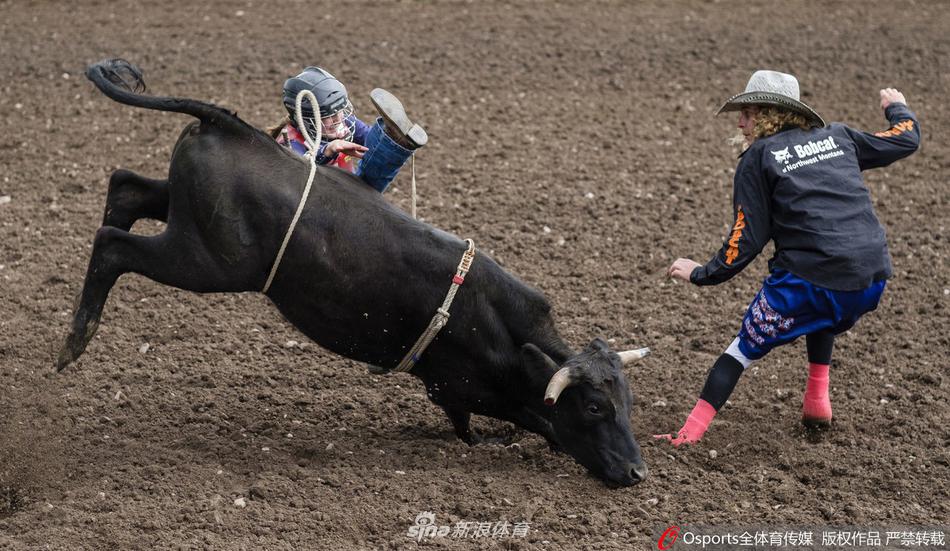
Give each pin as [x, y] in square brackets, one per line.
[75, 346]
[66, 356]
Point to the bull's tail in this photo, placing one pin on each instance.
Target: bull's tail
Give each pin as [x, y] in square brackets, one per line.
[123, 82]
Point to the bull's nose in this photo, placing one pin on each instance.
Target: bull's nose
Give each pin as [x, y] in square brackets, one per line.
[638, 472]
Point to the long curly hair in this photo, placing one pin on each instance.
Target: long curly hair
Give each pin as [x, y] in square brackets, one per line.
[768, 121]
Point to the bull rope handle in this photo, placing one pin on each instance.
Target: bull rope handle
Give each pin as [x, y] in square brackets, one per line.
[311, 155]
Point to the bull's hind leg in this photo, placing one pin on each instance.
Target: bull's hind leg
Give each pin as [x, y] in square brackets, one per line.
[132, 197]
[166, 258]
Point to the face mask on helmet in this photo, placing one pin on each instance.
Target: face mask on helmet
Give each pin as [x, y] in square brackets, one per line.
[335, 108]
[340, 125]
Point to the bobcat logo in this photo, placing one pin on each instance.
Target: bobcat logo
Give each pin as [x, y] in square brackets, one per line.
[782, 156]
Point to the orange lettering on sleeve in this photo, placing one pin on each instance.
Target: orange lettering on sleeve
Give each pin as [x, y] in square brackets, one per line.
[733, 251]
[897, 129]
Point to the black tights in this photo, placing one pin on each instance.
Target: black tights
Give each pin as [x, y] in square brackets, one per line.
[819, 346]
[726, 371]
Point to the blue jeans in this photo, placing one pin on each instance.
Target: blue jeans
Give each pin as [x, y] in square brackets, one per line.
[382, 161]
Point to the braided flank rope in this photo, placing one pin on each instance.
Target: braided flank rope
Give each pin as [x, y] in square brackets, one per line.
[441, 315]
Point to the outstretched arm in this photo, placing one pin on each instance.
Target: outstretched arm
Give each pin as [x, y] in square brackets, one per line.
[900, 140]
[749, 234]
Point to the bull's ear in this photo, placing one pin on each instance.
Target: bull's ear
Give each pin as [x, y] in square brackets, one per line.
[535, 358]
[598, 344]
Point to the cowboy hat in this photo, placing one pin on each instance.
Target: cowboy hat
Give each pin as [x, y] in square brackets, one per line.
[775, 89]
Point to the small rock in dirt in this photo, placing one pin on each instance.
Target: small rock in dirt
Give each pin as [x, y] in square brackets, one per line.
[400, 472]
[652, 501]
[259, 492]
[713, 454]
[290, 344]
[144, 348]
[240, 502]
[659, 404]
[4, 199]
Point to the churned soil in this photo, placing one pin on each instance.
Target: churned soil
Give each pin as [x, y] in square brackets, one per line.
[576, 143]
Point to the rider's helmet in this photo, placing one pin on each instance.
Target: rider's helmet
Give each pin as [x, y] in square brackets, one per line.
[335, 106]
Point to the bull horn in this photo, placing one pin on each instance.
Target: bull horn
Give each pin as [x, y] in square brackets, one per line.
[561, 380]
[628, 356]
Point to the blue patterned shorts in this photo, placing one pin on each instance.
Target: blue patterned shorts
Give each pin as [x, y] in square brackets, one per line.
[788, 307]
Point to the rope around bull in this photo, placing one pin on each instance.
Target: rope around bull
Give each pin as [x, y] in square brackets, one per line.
[441, 315]
[311, 155]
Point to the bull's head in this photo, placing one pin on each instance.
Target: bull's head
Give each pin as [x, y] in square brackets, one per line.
[590, 405]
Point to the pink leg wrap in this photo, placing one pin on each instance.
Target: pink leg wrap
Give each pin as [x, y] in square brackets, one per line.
[816, 406]
[697, 422]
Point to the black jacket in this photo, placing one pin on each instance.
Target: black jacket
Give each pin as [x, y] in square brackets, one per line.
[803, 189]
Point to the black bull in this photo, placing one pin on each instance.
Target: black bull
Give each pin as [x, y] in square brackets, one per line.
[359, 277]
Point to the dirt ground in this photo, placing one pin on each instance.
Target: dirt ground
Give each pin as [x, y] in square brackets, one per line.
[573, 141]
